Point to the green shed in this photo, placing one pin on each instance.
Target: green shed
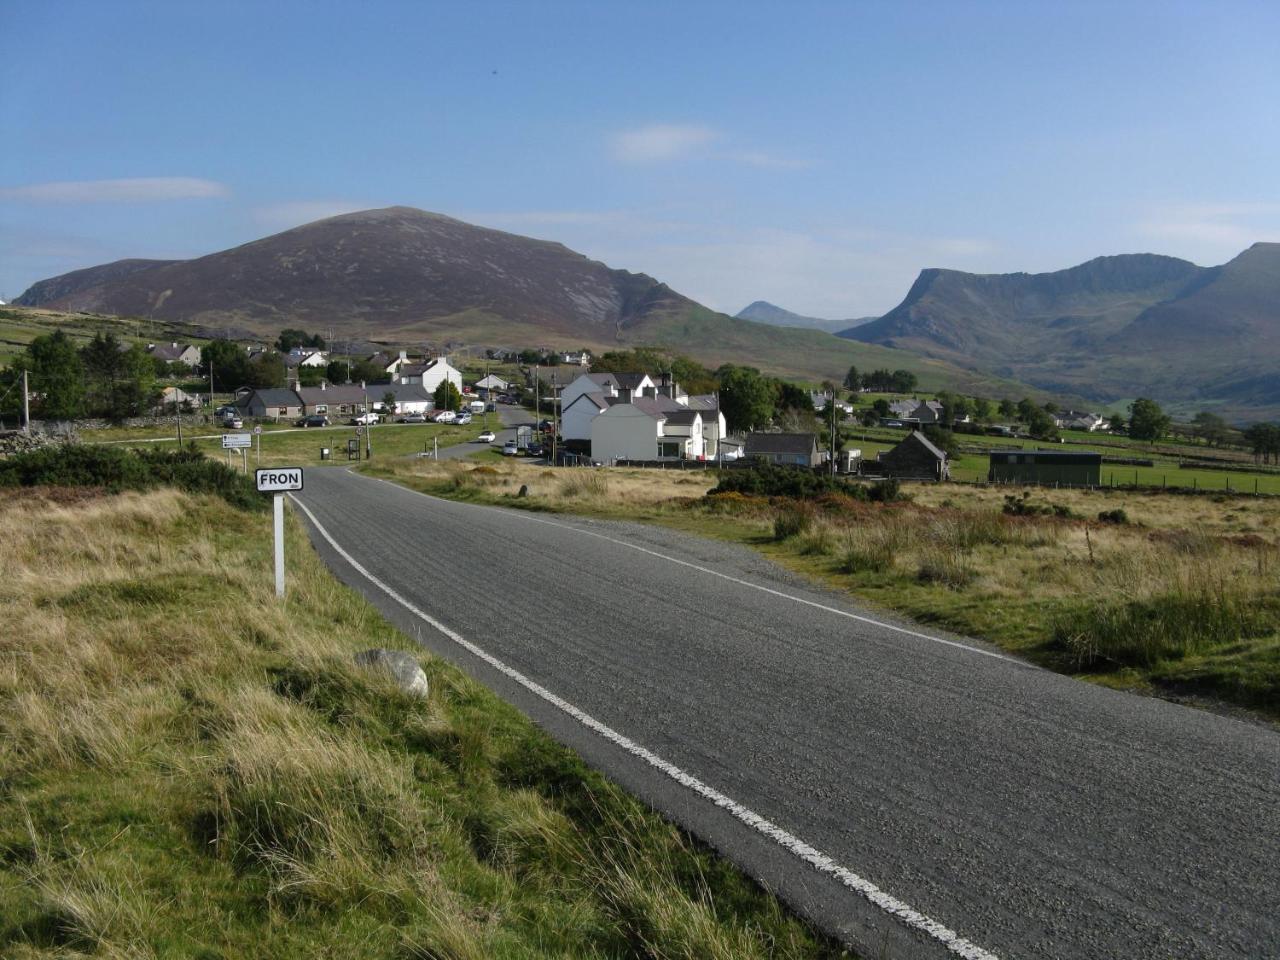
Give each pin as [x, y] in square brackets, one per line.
[1045, 466]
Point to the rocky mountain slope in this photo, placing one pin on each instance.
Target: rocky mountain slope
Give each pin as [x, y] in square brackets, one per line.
[762, 311]
[1110, 329]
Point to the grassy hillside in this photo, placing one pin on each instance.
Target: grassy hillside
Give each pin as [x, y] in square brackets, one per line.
[191, 769]
[714, 338]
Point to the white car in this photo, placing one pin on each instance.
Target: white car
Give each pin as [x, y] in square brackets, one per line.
[445, 416]
[510, 449]
[487, 437]
[365, 419]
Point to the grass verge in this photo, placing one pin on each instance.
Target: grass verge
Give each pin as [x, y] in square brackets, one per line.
[189, 768]
[1181, 599]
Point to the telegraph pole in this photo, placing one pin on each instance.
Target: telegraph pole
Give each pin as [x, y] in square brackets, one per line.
[555, 417]
[26, 405]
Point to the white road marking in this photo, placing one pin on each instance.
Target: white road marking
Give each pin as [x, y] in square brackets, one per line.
[814, 857]
[724, 576]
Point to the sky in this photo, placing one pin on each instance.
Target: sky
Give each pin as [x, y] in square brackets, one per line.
[816, 155]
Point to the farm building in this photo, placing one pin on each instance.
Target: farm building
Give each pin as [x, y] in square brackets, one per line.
[1045, 466]
[915, 458]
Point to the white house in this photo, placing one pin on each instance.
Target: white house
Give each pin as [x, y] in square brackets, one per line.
[175, 353]
[576, 359]
[575, 419]
[305, 357]
[627, 385]
[409, 398]
[681, 436]
[492, 382]
[714, 428]
[626, 431]
[430, 375]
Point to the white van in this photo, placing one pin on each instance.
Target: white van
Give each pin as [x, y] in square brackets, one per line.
[477, 406]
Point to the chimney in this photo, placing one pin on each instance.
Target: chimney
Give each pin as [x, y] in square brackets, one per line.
[174, 345]
[625, 394]
[361, 384]
[324, 384]
[404, 356]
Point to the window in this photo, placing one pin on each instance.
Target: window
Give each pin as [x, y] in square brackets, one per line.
[322, 408]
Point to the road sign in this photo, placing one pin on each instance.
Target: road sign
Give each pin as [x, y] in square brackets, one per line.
[236, 441]
[278, 479]
[257, 430]
[359, 431]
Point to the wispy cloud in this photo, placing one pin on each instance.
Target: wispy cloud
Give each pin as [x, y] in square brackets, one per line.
[770, 161]
[1212, 230]
[294, 213]
[129, 190]
[661, 141]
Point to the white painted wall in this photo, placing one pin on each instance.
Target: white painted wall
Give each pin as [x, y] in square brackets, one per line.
[576, 388]
[623, 432]
[575, 419]
[436, 374]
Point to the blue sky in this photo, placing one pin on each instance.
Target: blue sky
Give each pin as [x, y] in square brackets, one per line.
[817, 155]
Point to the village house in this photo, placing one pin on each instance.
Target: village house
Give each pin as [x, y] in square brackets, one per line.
[334, 400]
[1076, 420]
[272, 403]
[409, 398]
[175, 353]
[915, 458]
[491, 383]
[305, 357]
[643, 428]
[792, 449]
[430, 374]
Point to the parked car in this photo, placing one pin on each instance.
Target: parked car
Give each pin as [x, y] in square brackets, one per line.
[365, 419]
[536, 450]
[463, 418]
[545, 425]
[227, 410]
[314, 420]
[414, 418]
[487, 437]
[509, 449]
[445, 416]
[490, 408]
[232, 422]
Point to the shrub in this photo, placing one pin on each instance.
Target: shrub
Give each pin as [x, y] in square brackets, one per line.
[771, 480]
[1170, 626]
[888, 490]
[1117, 516]
[792, 522]
[85, 465]
[947, 567]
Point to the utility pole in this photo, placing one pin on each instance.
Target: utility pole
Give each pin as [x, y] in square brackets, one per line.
[555, 417]
[177, 409]
[26, 405]
[368, 430]
[831, 415]
[537, 395]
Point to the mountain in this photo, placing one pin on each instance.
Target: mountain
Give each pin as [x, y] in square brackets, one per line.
[402, 276]
[1109, 330]
[762, 311]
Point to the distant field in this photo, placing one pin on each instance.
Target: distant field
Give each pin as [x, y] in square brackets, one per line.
[287, 446]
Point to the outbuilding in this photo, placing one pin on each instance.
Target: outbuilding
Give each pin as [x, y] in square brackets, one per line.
[1046, 466]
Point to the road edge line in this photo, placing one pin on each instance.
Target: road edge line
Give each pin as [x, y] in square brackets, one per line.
[896, 908]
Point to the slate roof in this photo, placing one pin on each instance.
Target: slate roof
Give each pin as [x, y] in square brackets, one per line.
[597, 399]
[168, 352]
[335, 393]
[276, 397]
[683, 417]
[917, 437]
[797, 443]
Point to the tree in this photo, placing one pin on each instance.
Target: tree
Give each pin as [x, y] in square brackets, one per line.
[230, 364]
[134, 389]
[1146, 420]
[881, 407]
[1264, 440]
[56, 375]
[747, 399]
[366, 371]
[290, 338]
[265, 370]
[1027, 409]
[1040, 425]
[1212, 427]
[335, 371]
[791, 397]
[447, 396]
[1008, 409]
[852, 380]
[389, 403]
[311, 376]
[943, 439]
[1050, 407]
[982, 409]
[1117, 421]
[904, 381]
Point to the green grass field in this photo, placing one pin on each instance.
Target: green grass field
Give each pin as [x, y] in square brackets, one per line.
[194, 769]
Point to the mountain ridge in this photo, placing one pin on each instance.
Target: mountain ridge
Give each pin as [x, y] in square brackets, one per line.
[1110, 328]
[762, 311]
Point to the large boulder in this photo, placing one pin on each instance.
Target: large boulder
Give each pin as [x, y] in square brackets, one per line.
[403, 668]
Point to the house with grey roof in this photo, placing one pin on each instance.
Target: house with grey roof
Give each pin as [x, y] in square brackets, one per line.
[334, 400]
[270, 403]
[792, 449]
[175, 353]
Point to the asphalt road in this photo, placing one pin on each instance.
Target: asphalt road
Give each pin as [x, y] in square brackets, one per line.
[998, 809]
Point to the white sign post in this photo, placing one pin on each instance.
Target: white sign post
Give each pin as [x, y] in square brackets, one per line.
[277, 481]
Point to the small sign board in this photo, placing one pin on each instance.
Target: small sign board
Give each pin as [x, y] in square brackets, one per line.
[257, 430]
[278, 479]
[235, 441]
